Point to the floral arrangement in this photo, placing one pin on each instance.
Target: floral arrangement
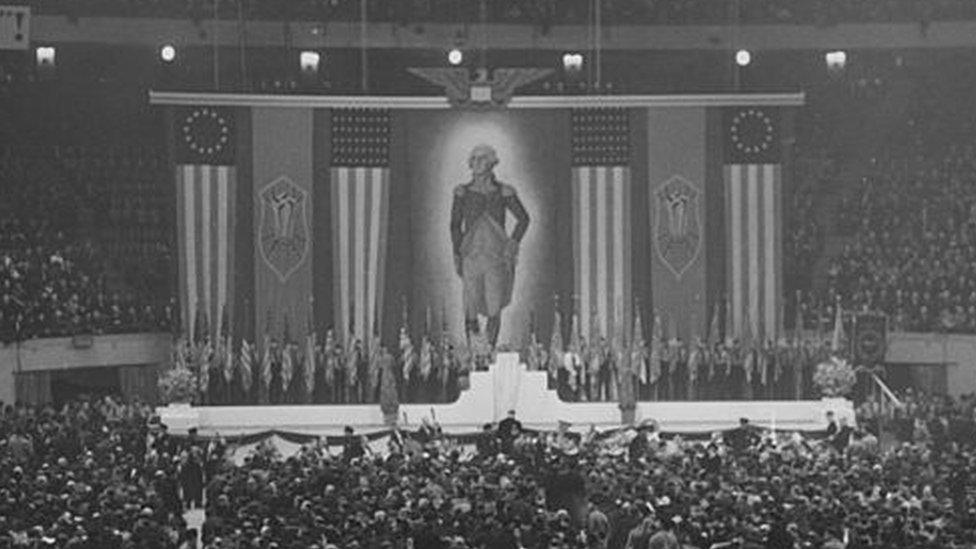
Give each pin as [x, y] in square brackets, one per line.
[834, 377]
[178, 384]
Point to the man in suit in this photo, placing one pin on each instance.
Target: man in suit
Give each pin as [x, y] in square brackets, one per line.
[842, 438]
[509, 429]
[743, 437]
[831, 424]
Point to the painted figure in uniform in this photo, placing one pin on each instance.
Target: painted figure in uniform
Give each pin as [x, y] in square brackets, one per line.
[484, 253]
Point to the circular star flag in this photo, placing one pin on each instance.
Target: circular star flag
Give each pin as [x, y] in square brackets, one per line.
[752, 132]
[206, 132]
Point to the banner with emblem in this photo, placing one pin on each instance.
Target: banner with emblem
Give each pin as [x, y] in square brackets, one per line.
[677, 157]
[283, 216]
[870, 338]
[753, 181]
[205, 148]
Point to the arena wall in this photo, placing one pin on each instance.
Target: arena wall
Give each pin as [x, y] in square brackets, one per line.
[65, 353]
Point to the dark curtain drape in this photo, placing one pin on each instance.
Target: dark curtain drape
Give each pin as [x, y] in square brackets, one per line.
[139, 381]
[33, 388]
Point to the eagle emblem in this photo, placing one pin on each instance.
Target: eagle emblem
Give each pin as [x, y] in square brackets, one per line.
[466, 90]
[284, 226]
[677, 231]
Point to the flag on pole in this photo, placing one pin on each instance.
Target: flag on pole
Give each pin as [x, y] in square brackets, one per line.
[601, 210]
[205, 363]
[762, 363]
[217, 362]
[713, 333]
[837, 341]
[309, 362]
[329, 360]
[753, 203]
[748, 347]
[426, 349]
[657, 340]
[556, 350]
[226, 346]
[426, 357]
[246, 364]
[374, 362]
[287, 359]
[360, 176]
[407, 356]
[266, 361]
[533, 360]
[206, 190]
[573, 358]
[730, 335]
[694, 361]
[353, 348]
[638, 349]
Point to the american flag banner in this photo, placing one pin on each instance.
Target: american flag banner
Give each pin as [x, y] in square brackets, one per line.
[752, 176]
[360, 177]
[206, 193]
[246, 365]
[601, 210]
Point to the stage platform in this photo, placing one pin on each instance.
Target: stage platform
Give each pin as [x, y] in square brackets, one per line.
[507, 385]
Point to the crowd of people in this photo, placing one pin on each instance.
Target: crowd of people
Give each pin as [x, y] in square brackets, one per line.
[921, 417]
[82, 247]
[543, 13]
[99, 474]
[913, 219]
[93, 474]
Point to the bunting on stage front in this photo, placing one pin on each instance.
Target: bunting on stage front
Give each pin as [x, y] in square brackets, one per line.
[753, 203]
[601, 210]
[205, 193]
[360, 177]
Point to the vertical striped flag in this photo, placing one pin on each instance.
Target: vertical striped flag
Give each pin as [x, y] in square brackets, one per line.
[601, 210]
[360, 177]
[753, 213]
[206, 194]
